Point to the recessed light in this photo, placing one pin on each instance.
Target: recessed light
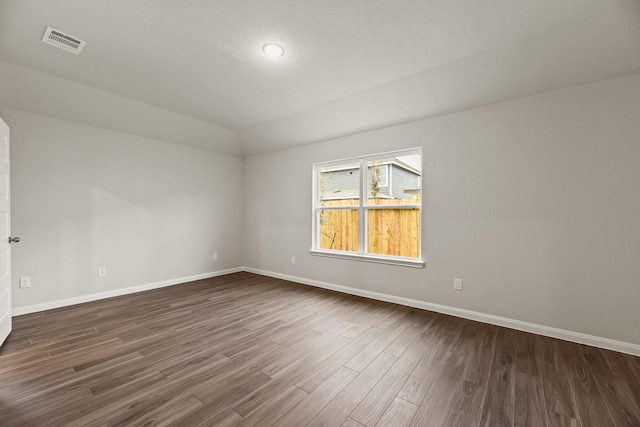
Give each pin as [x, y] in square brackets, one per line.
[273, 49]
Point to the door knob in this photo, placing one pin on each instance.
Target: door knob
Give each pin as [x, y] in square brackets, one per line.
[14, 239]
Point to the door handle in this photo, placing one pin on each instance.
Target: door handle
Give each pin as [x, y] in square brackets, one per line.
[14, 239]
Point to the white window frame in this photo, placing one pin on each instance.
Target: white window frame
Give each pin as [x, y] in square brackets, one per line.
[363, 208]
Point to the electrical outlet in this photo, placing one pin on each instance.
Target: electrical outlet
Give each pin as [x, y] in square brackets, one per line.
[215, 256]
[293, 260]
[102, 271]
[457, 284]
[24, 282]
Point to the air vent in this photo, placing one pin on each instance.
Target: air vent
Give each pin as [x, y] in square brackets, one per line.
[63, 41]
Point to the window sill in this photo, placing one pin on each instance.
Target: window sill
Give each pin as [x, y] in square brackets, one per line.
[404, 262]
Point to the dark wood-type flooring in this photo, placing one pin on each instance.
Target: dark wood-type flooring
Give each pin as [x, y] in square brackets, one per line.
[248, 350]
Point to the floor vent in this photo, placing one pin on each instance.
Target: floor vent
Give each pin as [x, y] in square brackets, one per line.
[63, 41]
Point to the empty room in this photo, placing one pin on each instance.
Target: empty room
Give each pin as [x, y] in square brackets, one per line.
[324, 213]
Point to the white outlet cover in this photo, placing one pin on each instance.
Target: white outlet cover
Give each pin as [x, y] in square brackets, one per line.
[24, 282]
[457, 284]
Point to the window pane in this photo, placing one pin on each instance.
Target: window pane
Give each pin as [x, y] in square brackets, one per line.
[339, 185]
[378, 180]
[393, 232]
[383, 176]
[395, 178]
[338, 229]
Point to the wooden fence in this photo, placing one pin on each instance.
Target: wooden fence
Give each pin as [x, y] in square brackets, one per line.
[389, 231]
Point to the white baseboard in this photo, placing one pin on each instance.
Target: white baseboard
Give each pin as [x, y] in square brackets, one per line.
[17, 311]
[548, 331]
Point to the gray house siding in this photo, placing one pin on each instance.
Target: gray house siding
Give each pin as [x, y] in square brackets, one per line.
[402, 179]
[340, 180]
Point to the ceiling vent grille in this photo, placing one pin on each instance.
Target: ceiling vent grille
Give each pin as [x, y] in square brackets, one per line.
[63, 41]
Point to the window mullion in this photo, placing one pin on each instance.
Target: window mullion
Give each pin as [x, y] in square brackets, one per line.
[362, 217]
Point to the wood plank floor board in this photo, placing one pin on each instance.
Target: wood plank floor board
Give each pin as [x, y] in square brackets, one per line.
[499, 403]
[399, 413]
[49, 343]
[382, 341]
[275, 408]
[376, 402]
[529, 394]
[529, 401]
[224, 393]
[131, 398]
[415, 328]
[35, 367]
[466, 405]
[373, 406]
[46, 411]
[616, 386]
[251, 339]
[23, 359]
[351, 423]
[558, 389]
[209, 415]
[297, 363]
[72, 381]
[367, 321]
[364, 357]
[208, 361]
[616, 394]
[338, 410]
[435, 353]
[444, 390]
[319, 373]
[166, 414]
[283, 379]
[590, 406]
[27, 383]
[310, 406]
[478, 365]
[250, 350]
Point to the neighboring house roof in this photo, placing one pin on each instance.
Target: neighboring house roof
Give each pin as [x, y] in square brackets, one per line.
[403, 165]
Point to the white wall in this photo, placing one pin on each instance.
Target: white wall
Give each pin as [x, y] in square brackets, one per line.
[148, 210]
[533, 202]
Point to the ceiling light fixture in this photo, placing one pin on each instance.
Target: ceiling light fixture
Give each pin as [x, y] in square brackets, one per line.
[273, 49]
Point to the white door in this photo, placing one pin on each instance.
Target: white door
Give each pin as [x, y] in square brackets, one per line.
[5, 249]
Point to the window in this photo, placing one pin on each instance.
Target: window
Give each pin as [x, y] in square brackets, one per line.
[382, 171]
[369, 208]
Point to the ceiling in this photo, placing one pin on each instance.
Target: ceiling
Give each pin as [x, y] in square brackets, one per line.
[203, 58]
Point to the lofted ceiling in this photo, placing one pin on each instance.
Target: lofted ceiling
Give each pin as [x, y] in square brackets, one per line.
[203, 58]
